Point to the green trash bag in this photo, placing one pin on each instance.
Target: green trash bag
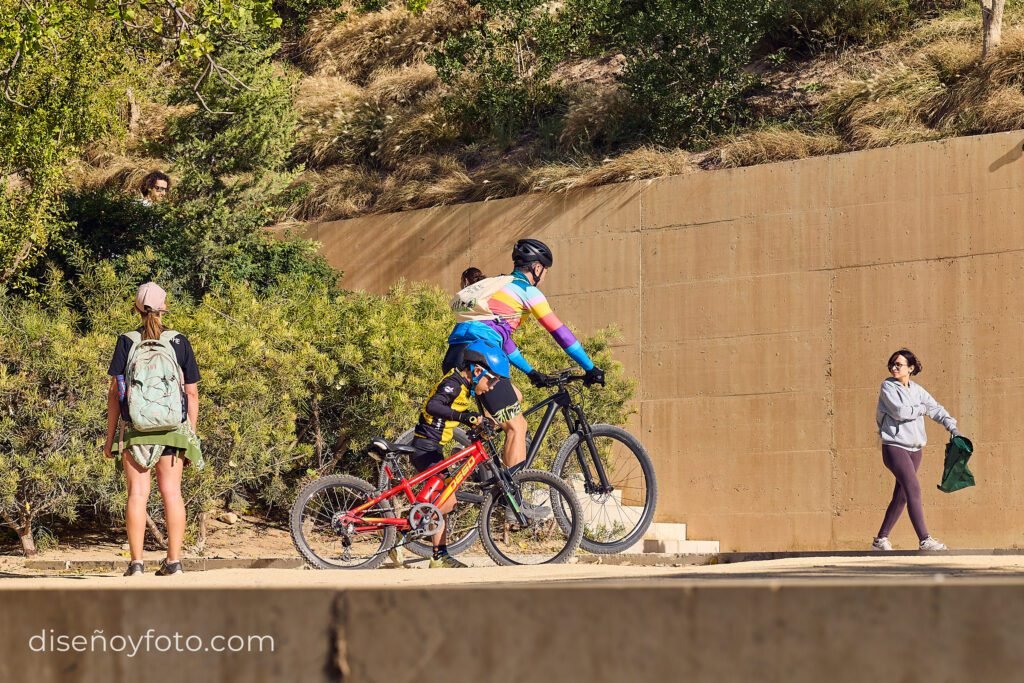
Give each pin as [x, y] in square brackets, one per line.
[955, 473]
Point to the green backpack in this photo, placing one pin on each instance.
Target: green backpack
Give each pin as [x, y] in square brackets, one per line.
[154, 384]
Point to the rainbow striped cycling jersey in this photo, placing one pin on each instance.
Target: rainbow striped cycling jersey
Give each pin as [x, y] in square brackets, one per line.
[509, 304]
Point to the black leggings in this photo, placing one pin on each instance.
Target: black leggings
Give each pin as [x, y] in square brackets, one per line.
[907, 493]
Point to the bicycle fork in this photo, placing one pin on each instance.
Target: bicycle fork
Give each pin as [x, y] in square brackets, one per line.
[579, 425]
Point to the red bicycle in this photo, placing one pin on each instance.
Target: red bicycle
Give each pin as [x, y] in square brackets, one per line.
[526, 517]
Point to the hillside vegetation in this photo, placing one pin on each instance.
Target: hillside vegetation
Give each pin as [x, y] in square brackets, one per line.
[398, 107]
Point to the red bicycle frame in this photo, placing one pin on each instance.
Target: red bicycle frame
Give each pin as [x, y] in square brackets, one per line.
[474, 455]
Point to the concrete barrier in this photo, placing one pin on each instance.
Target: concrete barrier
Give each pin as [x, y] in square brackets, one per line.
[664, 630]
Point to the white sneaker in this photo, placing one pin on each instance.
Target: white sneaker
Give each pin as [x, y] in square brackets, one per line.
[881, 544]
[932, 544]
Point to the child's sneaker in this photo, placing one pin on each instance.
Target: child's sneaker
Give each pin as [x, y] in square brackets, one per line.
[881, 544]
[445, 561]
[932, 544]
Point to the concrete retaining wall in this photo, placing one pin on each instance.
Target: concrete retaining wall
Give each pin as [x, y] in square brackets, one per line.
[758, 307]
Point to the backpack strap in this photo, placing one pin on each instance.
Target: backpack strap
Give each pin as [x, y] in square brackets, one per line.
[166, 337]
[136, 339]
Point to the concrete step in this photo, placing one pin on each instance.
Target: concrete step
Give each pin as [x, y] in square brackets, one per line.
[681, 547]
[666, 531]
[653, 546]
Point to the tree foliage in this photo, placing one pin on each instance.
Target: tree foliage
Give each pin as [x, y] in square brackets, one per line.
[51, 395]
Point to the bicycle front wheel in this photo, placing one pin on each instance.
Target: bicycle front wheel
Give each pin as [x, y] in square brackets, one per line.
[553, 529]
[316, 534]
[616, 515]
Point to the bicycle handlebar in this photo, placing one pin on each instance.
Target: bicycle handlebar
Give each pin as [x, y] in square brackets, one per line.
[563, 377]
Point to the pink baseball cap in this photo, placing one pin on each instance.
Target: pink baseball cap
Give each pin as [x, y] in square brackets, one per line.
[151, 297]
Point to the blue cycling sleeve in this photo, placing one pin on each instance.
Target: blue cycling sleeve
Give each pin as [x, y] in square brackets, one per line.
[517, 359]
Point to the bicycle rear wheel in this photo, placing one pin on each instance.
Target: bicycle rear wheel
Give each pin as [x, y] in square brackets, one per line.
[313, 529]
[617, 519]
[551, 536]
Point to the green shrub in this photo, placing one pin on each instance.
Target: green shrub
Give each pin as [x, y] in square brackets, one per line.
[685, 61]
[52, 399]
[497, 70]
[250, 130]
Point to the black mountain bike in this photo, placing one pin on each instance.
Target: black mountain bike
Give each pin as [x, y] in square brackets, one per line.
[608, 470]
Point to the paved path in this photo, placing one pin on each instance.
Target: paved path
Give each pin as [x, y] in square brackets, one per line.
[842, 570]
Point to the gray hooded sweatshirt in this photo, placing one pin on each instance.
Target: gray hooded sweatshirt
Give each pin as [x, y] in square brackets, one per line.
[900, 414]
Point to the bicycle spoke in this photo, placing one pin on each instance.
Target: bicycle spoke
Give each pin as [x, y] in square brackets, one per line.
[616, 513]
[324, 540]
[541, 538]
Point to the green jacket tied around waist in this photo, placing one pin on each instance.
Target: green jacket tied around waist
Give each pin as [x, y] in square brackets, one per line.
[955, 473]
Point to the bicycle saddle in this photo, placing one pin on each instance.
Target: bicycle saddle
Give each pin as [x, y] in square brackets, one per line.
[385, 447]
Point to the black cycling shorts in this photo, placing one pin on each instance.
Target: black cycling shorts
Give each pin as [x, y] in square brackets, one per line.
[501, 401]
[423, 460]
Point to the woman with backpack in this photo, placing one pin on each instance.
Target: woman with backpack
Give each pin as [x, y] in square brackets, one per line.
[153, 394]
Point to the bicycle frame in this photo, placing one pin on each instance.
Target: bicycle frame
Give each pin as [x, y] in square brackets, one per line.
[473, 456]
[576, 421]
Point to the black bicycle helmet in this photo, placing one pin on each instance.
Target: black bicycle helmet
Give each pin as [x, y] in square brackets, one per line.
[531, 251]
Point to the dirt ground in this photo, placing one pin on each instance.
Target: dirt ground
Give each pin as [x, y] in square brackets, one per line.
[249, 537]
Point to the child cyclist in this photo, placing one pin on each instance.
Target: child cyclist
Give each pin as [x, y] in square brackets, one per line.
[481, 372]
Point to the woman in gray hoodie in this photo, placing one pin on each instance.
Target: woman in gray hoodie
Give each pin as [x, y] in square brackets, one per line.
[902, 405]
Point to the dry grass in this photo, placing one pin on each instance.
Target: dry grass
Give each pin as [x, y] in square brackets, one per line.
[339, 192]
[639, 164]
[152, 126]
[362, 45]
[99, 168]
[939, 90]
[776, 143]
[322, 96]
[1003, 110]
[403, 86]
[392, 118]
[415, 132]
[437, 180]
[595, 115]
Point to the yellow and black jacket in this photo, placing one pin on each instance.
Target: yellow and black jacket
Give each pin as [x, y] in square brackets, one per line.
[441, 413]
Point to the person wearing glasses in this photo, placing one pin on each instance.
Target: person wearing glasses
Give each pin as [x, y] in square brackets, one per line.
[902, 407]
[155, 187]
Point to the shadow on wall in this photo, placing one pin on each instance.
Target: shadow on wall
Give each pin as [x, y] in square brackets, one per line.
[1015, 153]
[435, 245]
